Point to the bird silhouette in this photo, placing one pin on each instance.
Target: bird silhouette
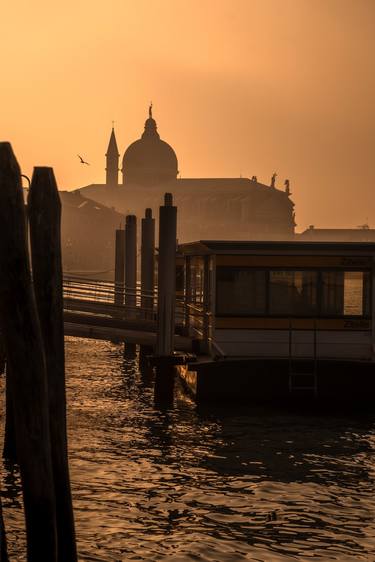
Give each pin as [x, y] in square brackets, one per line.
[82, 160]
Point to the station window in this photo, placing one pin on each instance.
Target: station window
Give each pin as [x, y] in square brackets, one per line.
[241, 291]
[332, 293]
[345, 293]
[293, 293]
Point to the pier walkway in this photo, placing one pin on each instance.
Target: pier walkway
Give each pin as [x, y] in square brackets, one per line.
[104, 310]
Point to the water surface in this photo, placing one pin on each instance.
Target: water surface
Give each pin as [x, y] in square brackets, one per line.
[185, 484]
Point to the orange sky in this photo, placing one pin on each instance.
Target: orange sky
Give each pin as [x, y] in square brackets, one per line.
[239, 87]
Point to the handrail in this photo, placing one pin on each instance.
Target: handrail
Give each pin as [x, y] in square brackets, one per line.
[217, 347]
[128, 291]
[83, 295]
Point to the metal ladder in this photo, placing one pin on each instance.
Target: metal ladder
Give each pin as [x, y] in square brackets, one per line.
[303, 381]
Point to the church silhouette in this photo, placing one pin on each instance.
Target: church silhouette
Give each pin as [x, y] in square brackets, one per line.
[209, 208]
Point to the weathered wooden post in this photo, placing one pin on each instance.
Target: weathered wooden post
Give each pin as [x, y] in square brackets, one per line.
[119, 266]
[24, 348]
[130, 274]
[165, 370]
[145, 369]
[10, 449]
[166, 277]
[130, 263]
[148, 264]
[2, 355]
[147, 282]
[372, 301]
[3, 540]
[44, 210]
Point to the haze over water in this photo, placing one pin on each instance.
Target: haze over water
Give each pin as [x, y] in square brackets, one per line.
[239, 87]
[211, 485]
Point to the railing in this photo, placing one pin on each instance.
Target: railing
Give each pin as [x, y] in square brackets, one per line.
[106, 298]
[112, 298]
[198, 324]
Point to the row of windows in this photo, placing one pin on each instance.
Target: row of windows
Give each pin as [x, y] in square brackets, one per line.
[246, 291]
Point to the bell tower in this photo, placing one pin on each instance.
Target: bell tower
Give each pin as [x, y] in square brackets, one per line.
[112, 161]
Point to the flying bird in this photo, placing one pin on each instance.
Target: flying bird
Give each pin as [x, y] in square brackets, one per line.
[82, 160]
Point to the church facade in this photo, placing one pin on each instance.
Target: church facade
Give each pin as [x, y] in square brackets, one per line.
[208, 208]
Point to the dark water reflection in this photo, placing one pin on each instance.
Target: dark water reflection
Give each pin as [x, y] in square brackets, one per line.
[187, 484]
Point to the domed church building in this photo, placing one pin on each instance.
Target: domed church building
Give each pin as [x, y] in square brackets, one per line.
[208, 208]
[149, 160]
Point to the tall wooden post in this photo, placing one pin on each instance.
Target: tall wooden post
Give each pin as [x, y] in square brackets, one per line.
[166, 277]
[130, 275]
[10, 449]
[119, 267]
[148, 264]
[3, 540]
[44, 209]
[24, 348]
[130, 263]
[165, 370]
[372, 305]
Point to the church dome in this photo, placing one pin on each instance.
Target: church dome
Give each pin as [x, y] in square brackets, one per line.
[149, 160]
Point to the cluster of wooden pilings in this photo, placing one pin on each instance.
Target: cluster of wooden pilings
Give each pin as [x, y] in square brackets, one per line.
[31, 317]
[163, 358]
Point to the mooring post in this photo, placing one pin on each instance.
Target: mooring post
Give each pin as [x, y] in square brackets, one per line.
[166, 277]
[3, 540]
[44, 210]
[145, 369]
[165, 369]
[148, 264]
[9, 449]
[130, 275]
[372, 308]
[130, 264]
[24, 349]
[119, 266]
[2, 356]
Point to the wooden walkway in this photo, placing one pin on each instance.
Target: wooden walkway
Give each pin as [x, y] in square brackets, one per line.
[100, 310]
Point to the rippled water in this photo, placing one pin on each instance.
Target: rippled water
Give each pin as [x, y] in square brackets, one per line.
[210, 485]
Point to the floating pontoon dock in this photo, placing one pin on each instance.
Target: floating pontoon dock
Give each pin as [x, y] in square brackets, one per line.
[280, 319]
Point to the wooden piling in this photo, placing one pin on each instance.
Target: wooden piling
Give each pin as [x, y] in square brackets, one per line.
[2, 355]
[148, 264]
[24, 349]
[145, 369]
[44, 209]
[165, 370]
[166, 277]
[3, 541]
[130, 264]
[9, 449]
[119, 267]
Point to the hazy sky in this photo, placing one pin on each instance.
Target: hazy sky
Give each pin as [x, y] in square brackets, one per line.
[238, 86]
